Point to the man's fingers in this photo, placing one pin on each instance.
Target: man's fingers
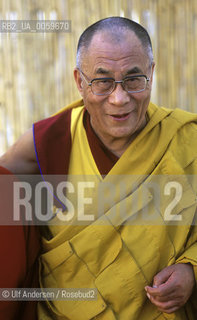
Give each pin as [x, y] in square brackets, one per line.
[163, 276]
[164, 283]
[164, 290]
[166, 306]
[162, 298]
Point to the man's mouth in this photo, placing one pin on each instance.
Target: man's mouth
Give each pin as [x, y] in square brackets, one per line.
[120, 117]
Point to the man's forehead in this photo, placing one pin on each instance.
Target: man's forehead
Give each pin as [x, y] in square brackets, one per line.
[104, 52]
[104, 45]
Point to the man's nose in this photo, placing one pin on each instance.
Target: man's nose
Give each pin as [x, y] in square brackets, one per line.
[119, 96]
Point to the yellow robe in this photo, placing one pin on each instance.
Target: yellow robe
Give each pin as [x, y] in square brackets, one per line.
[121, 251]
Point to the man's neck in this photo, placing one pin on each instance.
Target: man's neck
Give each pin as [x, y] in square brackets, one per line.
[119, 145]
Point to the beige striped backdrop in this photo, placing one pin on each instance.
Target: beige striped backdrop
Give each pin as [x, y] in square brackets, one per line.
[36, 69]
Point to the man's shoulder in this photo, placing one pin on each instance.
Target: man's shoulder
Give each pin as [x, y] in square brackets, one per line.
[184, 117]
[179, 117]
[178, 114]
[187, 125]
[184, 142]
[21, 158]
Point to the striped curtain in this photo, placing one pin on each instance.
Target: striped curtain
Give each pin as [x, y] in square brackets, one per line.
[36, 69]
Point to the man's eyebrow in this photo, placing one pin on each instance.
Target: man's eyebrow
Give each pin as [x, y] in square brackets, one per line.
[134, 70]
[102, 71]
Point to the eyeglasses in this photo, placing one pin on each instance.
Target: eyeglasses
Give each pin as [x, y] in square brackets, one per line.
[105, 86]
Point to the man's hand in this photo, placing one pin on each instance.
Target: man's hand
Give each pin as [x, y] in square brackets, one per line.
[172, 287]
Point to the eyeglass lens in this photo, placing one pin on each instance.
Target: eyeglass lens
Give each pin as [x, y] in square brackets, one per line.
[106, 86]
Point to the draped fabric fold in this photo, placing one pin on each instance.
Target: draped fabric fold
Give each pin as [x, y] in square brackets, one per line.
[129, 237]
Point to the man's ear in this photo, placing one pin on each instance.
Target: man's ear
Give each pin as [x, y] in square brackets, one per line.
[152, 72]
[78, 80]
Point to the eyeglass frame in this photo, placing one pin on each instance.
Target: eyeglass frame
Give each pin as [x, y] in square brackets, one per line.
[114, 82]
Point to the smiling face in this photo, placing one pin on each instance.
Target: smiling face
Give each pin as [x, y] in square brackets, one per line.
[120, 116]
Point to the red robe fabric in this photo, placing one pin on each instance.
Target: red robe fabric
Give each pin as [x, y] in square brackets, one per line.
[19, 250]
